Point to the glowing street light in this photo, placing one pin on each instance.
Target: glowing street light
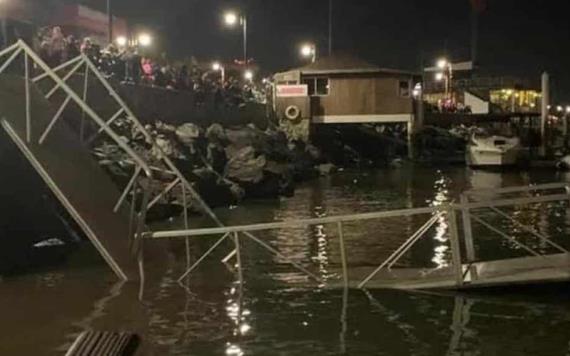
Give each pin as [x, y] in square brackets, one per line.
[446, 74]
[559, 108]
[144, 40]
[248, 75]
[232, 19]
[217, 67]
[442, 63]
[309, 51]
[121, 40]
[568, 109]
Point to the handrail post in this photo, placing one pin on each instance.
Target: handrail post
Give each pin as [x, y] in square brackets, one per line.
[85, 88]
[468, 236]
[238, 258]
[343, 254]
[28, 108]
[455, 246]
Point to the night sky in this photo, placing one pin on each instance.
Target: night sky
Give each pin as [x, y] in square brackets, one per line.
[517, 37]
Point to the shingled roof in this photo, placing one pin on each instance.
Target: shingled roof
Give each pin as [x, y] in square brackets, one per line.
[344, 64]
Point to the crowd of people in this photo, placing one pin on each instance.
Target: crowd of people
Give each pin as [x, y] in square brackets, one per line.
[126, 64]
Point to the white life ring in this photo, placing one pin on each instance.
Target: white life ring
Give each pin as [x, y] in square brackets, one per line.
[292, 112]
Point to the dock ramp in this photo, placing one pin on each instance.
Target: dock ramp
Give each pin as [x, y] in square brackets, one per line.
[34, 99]
[528, 254]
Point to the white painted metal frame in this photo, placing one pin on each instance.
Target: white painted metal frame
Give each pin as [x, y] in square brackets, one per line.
[30, 58]
[461, 275]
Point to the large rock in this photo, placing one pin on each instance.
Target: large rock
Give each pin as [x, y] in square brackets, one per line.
[244, 166]
[188, 133]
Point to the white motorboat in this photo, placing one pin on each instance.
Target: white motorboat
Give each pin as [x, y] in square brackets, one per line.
[493, 151]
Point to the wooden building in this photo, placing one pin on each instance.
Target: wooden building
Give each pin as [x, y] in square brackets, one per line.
[344, 89]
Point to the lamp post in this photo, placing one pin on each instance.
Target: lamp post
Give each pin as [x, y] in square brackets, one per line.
[3, 24]
[232, 19]
[309, 51]
[216, 66]
[109, 21]
[446, 74]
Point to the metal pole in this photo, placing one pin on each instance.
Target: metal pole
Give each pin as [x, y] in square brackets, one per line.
[330, 27]
[85, 89]
[244, 23]
[343, 254]
[468, 235]
[238, 258]
[110, 21]
[544, 111]
[455, 246]
[28, 108]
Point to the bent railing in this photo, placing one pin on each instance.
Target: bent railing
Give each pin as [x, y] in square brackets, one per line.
[34, 67]
[462, 273]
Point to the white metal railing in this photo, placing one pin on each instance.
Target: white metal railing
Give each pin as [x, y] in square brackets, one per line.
[32, 63]
[457, 242]
[81, 65]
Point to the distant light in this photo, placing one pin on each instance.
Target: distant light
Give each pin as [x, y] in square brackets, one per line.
[549, 107]
[216, 66]
[230, 18]
[439, 76]
[248, 75]
[145, 39]
[417, 90]
[307, 50]
[121, 40]
[559, 108]
[509, 92]
[442, 63]
[568, 109]
[265, 81]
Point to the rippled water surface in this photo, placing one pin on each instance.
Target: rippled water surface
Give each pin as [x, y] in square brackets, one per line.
[281, 312]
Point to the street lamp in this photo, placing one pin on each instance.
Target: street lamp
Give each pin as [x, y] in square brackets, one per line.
[121, 40]
[248, 75]
[232, 19]
[442, 63]
[217, 67]
[144, 40]
[309, 51]
[446, 73]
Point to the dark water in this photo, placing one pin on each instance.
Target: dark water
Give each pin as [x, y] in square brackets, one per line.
[41, 313]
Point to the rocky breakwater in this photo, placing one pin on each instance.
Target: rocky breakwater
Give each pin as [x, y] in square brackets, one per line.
[225, 165]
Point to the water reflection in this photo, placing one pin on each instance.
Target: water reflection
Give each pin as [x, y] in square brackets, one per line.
[275, 315]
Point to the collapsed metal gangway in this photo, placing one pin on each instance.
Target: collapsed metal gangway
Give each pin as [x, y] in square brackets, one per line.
[466, 269]
[36, 103]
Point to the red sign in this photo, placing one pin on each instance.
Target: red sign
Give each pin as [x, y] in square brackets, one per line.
[283, 91]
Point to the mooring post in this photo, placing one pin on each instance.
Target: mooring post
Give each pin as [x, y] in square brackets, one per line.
[455, 246]
[468, 235]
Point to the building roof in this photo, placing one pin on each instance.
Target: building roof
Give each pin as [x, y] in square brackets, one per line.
[345, 64]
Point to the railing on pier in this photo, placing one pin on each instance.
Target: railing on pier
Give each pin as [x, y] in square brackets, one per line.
[461, 267]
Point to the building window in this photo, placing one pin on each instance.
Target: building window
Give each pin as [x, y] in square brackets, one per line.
[404, 88]
[317, 86]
